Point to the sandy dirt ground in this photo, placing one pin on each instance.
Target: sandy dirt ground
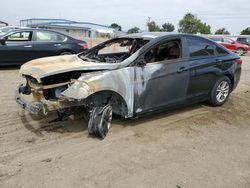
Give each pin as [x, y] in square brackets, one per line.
[193, 147]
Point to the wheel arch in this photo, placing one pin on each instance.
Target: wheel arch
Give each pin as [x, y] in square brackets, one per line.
[231, 78]
[66, 50]
[104, 97]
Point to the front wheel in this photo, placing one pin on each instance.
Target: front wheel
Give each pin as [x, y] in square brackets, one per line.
[100, 121]
[220, 91]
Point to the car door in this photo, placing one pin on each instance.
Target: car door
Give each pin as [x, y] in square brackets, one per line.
[229, 44]
[46, 43]
[161, 81]
[17, 48]
[204, 60]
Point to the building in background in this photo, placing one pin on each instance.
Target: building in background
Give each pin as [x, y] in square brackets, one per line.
[71, 28]
[3, 24]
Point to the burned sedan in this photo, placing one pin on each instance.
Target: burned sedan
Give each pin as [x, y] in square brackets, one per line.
[147, 72]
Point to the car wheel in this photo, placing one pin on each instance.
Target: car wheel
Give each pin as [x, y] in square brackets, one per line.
[100, 121]
[220, 91]
[65, 53]
[240, 51]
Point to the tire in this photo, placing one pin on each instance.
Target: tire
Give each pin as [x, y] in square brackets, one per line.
[100, 121]
[220, 91]
[65, 53]
[240, 51]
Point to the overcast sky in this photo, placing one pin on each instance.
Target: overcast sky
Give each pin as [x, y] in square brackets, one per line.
[234, 15]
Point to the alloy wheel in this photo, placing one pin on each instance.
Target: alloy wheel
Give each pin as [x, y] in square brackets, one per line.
[222, 91]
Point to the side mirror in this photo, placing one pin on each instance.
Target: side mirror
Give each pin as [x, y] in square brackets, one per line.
[3, 41]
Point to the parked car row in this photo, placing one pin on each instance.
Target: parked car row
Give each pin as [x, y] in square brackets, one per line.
[21, 45]
[240, 46]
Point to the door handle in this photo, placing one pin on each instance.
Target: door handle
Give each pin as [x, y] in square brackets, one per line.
[182, 69]
[57, 44]
[28, 46]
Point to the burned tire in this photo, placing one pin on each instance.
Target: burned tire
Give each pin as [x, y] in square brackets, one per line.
[220, 91]
[100, 121]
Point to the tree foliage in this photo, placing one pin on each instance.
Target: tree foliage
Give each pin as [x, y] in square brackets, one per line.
[168, 27]
[245, 31]
[191, 24]
[134, 30]
[222, 31]
[152, 26]
[116, 26]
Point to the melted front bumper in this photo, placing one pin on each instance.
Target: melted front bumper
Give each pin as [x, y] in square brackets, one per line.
[35, 108]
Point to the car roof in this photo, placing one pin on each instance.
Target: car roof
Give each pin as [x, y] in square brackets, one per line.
[34, 29]
[243, 37]
[216, 36]
[154, 35]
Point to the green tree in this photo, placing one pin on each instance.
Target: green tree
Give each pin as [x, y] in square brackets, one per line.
[168, 27]
[191, 24]
[222, 31]
[152, 26]
[134, 30]
[116, 26]
[245, 31]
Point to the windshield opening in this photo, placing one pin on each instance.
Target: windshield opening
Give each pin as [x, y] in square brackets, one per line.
[114, 51]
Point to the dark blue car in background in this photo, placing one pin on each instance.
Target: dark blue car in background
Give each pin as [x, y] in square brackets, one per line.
[22, 45]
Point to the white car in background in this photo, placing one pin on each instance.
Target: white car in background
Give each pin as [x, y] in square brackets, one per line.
[6, 29]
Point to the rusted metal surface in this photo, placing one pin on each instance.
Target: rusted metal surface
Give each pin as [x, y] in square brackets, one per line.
[40, 87]
[43, 67]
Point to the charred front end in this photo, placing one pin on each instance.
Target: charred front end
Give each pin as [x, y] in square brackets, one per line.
[41, 97]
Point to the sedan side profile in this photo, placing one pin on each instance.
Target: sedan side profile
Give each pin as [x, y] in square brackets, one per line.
[150, 72]
[230, 44]
[22, 45]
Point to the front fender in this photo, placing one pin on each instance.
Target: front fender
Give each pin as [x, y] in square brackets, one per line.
[120, 81]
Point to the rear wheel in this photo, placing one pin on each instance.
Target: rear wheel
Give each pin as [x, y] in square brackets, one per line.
[220, 91]
[100, 121]
[65, 53]
[240, 51]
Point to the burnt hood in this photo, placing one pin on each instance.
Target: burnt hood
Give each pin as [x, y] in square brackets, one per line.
[40, 68]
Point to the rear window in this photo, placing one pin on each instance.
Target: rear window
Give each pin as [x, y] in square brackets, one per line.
[221, 51]
[200, 47]
[48, 37]
[241, 39]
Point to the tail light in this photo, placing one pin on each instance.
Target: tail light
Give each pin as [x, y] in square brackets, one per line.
[83, 45]
[239, 61]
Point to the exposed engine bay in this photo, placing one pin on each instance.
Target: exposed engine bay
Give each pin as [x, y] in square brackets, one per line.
[124, 48]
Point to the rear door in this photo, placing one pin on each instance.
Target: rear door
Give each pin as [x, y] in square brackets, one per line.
[46, 43]
[17, 49]
[205, 59]
[162, 81]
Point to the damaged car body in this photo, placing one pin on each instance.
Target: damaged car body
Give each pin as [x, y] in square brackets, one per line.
[148, 72]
